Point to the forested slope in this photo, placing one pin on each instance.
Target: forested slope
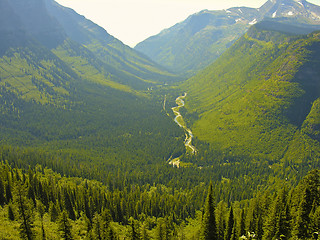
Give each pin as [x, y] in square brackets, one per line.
[260, 99]
[59, 94]
[199, 40]
[85, 134]
[39, 203]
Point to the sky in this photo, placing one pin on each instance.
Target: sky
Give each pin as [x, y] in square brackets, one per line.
[132, 21]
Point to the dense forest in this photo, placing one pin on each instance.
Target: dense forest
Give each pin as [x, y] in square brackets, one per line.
[38, 203]
[87, 132]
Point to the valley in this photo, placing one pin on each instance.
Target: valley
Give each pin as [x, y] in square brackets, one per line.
[188, 140]
[97, 140]
[179, 120]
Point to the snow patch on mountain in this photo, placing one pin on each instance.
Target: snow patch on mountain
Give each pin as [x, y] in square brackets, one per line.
[274, 14]
[254, 21]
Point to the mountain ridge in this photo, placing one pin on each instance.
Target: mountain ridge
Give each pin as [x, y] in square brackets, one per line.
[59, 94]
[186, 51]
[259, 99]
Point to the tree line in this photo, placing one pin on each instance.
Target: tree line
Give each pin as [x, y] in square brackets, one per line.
[41, 204]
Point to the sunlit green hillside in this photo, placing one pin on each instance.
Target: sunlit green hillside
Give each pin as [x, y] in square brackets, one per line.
[260, 99]
[86, 96]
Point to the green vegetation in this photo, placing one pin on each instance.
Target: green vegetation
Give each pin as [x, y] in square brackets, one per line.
[85, 136]
[198, 41]
[46, 205]
[255, 102]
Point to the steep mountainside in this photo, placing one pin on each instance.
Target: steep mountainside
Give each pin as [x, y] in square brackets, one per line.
[203, 37]
[57, 28]
[83, 96]
[260, 99]
[121, 59]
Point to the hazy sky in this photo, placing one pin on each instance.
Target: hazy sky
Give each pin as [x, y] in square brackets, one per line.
[132, 21]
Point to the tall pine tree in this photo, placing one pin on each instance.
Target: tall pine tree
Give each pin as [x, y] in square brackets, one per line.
[2, 198]
[209, 228]
[65, 226]
[230, 225]
[25, 211]
[278, 220]
[242, 224]
[302, 223]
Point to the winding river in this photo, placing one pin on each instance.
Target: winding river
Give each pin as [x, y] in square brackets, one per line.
[179, 120]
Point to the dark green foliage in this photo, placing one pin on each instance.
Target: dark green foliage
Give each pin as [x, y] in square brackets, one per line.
[8, 191]
[65, 226]
[315, 220]
[278, 221]
[10, 213]
[68, 206]
[229, 232]
[135, 230]
[53, 212]
[162, 229]
[25, 210]
[269, 215]
[242, 226]
[221, 212]
[98, 231]
[144, 233]
[2, 193]
[209, 227]
[302, 224]
[111, 234]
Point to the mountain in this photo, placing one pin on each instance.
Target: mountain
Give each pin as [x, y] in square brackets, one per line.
[67, 86]
[200, 39]
[260, 99]
[54, 26]
[87, 134]
[121, 59]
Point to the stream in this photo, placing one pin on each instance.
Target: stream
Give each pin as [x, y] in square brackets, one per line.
[179, 120]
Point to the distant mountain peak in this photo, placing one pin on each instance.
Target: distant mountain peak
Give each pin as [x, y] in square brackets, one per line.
[308, 12]
[200, 39]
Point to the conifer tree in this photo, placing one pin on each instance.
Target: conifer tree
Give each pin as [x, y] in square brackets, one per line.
[105, 225]
[230, 225]
[135, 235]
[278, 222]
[53, 212]
[8, 192]
[31, 194]
[24, 209]
[234, 234]
[252, 215]
[111, 234]
[2, 197]
[162, 231]
[301, 228]
[209, 228]
[242, 226]
[221, 211]
[65, 226]
[97, 227]
[41, 210]
[316, 220]
[68, 206]
[144, 234]
[10, 213]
